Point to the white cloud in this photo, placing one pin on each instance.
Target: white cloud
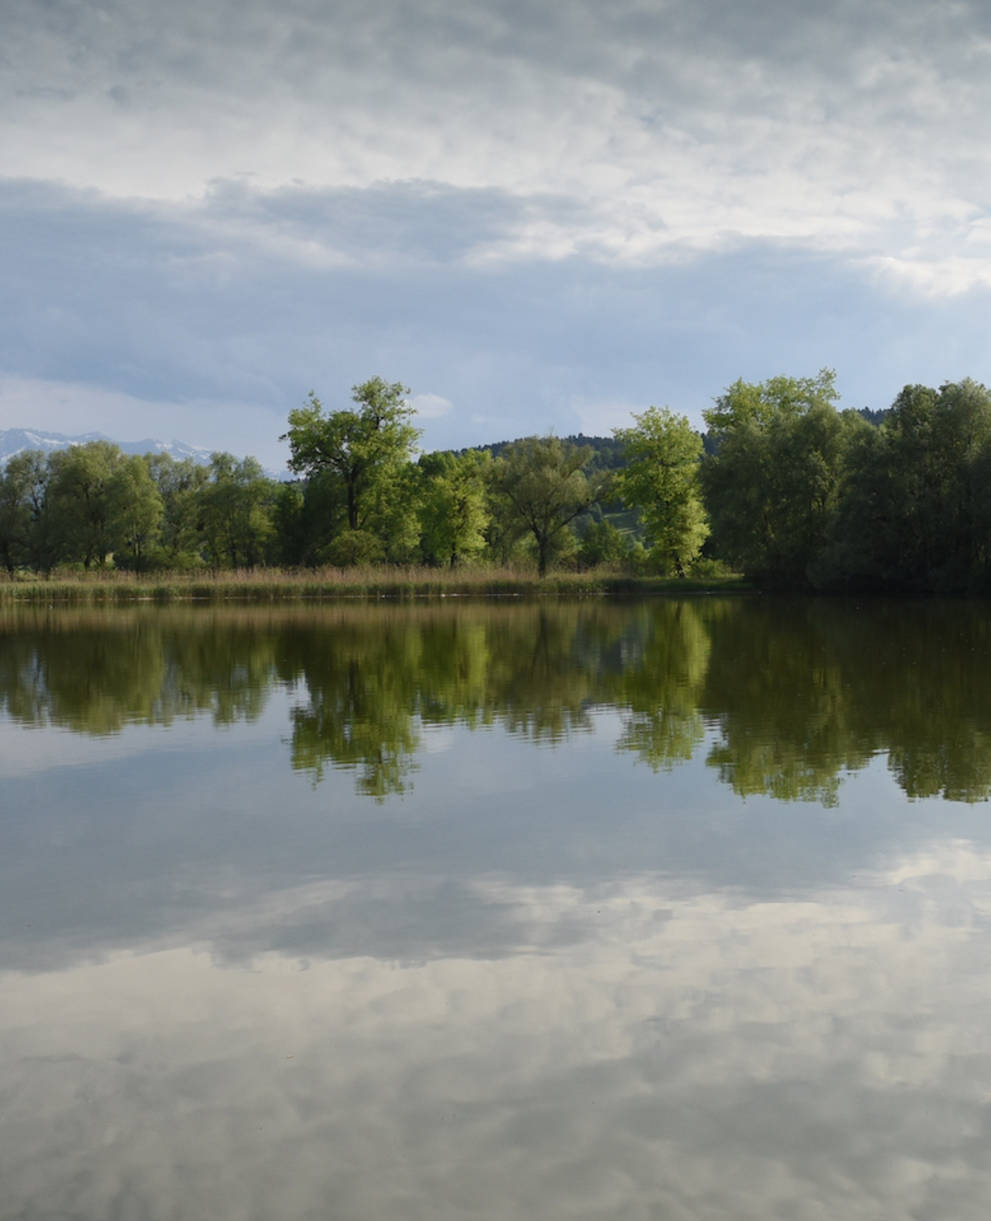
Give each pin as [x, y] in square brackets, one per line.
[431, 406]
[933, 278]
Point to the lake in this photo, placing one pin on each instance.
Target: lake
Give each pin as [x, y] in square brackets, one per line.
[670, 909]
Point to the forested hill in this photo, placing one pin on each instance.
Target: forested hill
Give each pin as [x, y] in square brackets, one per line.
[607, 452]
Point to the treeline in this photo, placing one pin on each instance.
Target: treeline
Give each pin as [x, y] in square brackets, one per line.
[93, 506]
[362, 497]
[800, 494]
[782, 487]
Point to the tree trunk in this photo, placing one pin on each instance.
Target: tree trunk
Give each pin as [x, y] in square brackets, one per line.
[542, 546]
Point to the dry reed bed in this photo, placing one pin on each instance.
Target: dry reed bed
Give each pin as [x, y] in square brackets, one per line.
[274, 585]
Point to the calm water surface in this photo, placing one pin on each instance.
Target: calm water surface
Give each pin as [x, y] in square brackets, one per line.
[669, 910]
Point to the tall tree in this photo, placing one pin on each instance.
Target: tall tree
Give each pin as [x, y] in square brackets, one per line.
[542, 487]
[23, 490]
[179, 483]
[661, 478]
[774, 482]
[918, 510]
[84, 513]
[236, 508]
[453, 505]
[361, 453]
[137, 507]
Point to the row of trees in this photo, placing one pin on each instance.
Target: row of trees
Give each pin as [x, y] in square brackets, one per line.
[783, 486]
[364, 499]
[361, 498]
[801, 494]
[92, 503]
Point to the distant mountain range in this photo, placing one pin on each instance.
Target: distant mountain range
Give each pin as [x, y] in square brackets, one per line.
[16, 440]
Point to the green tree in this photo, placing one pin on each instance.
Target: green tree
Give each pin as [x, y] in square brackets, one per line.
[235, 508]
[541, 488]
[137, 507]
[454, 509]
[938, 451]
[661, 479]
[916, 513]
[361, 454]
[179, 483]
[23, 490]
[354, 549]
[603, 543]
[774, 484]
[290, 524]
[82, 505]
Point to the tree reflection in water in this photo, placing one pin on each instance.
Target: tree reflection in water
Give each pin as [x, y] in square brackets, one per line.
[788, 694]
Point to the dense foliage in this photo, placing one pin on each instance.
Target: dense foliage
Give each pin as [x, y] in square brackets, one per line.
[805, 496]
[782, 487]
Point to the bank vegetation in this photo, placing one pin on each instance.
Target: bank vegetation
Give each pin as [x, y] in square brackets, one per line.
[783, 490]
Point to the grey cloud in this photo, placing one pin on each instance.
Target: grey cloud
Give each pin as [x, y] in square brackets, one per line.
[624, 133]
[374, 54]
[226, 299]
[615, 43]
[383, 224]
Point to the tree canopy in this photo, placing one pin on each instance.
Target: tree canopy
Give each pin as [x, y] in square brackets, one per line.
[661, 477]
[362, 449]
[542, 487]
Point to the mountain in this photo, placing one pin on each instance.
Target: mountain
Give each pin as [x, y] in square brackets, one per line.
[15, 440]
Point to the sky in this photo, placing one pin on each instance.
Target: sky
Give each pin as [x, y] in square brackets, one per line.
[540, 218]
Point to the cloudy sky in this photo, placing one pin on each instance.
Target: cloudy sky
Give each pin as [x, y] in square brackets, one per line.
[539, 217]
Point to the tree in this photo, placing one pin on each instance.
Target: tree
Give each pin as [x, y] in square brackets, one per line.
[661, 478]
[603, 543]
[542, 487]
[84, 514]
[23, 487]
[453, 505]
[773, 485]
[236, 511]
[137, 507]
[179, 484]
[918, 513]
[360, 453]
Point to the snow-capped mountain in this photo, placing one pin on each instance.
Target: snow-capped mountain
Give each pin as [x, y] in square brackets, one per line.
[15, 440]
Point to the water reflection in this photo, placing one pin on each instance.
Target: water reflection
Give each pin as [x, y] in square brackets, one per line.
[785, 697]
[94, 672]
[595, 963]
[680, 1054]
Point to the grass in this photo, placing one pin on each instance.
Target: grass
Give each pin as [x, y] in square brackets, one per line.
[276, 585]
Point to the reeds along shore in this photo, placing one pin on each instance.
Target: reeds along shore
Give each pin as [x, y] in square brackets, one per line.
[271, 585]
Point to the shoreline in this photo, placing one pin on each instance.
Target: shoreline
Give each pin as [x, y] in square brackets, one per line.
[338, 584]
